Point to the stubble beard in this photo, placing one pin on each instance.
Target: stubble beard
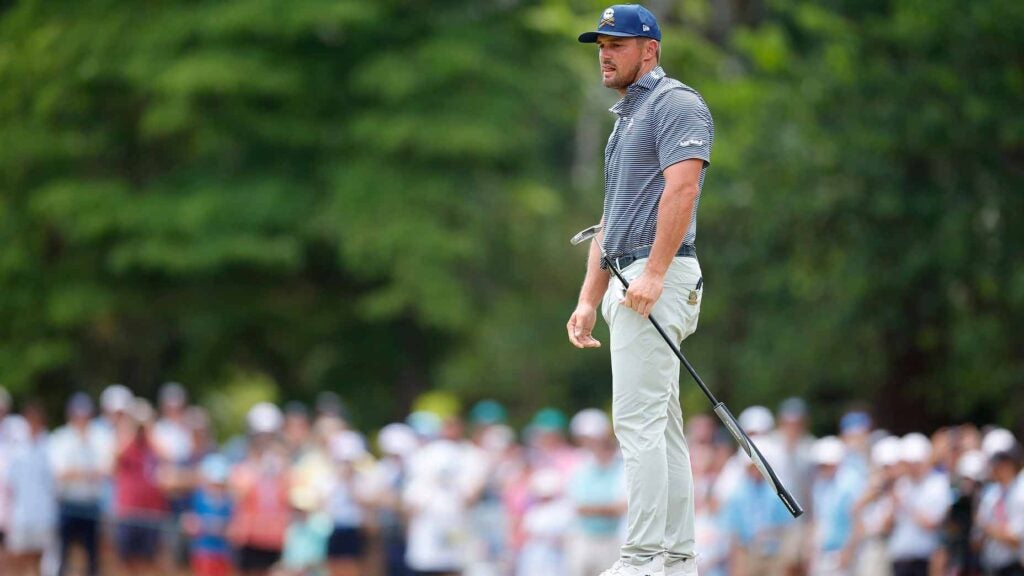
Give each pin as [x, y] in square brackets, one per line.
[622, 80]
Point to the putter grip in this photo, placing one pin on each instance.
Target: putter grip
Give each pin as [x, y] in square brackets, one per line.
[763, 466]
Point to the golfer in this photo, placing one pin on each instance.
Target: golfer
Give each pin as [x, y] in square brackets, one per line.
[654, 167]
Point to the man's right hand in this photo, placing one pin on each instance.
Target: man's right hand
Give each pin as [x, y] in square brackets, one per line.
[581, 327]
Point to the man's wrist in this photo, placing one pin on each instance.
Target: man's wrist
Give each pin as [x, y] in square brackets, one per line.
[655, 271]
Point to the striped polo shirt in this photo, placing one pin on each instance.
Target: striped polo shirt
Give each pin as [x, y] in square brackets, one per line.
[660, 121]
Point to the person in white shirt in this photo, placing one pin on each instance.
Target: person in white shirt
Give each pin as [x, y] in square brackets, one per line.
[444, 477]
[921, 499]
[597, 491]
[546, 526]
[81, 463]
[874, 509]
[12, 430]
[1000, 531]
[795, 469]
[32, 524]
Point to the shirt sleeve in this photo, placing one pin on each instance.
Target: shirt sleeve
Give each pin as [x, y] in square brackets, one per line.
[685, 127]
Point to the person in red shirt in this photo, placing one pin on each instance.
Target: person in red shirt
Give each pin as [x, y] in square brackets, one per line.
[140, 507]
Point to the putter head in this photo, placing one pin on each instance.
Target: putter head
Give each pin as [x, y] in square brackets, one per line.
[585, 234]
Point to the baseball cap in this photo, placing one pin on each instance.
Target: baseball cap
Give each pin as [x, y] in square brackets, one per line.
[116, 398]
[828, 451]
[757, 420]
[997, 440]
[886, 452]
[915, 447]
[973, 465]
[80, 404]
[590, 423]
[173, 394]
[625, 20]
[548, 420]
[855, 423]
[397, 439]
[264, 418]
[487, 412]
[792, 409]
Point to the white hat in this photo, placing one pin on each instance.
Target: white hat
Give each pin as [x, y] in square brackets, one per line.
[915, 447]
[498, 438]
[828, 451]
[347, 446]
[397, 439]
[590, 423]
[757, 420]
[141, 410]
[997, 440]
[116, 398]
[264, 418]
[886, 452]
[972, 465]
[546, 483]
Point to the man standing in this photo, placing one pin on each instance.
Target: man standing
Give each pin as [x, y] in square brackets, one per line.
[654, 168]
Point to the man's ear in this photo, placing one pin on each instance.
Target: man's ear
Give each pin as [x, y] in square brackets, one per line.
[651, 49]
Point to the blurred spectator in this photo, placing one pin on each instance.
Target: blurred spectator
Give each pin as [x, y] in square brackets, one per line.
[298, 430]
[795, 469]
[712, 539]
[493, 441]
[545, 527]
[443, 476]
[833, 500]
[115, 400]
[259, 487]
[921, 500]
[32, 522]
[347, 500]
[171, 435]
[547, 442]
[329, 406]
[1001, 533]
[855, 431]
[140, 508]
[13, 433]
[305, 543]
[597, 491]
[754, 519]
[206, 522]
[961, 553]
[81, 462]
[758, 423]
[397, 443]
[874, 509]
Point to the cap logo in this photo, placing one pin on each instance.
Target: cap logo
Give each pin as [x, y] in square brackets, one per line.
[607, 18]
[647, 28]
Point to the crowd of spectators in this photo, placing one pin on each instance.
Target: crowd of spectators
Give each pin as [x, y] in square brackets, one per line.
[134, 489]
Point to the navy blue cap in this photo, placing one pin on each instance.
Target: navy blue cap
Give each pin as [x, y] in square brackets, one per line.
[626, 20]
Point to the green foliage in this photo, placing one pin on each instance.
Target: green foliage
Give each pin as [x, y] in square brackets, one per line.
[375, 198]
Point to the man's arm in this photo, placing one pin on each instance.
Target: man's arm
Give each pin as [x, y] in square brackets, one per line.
[675, 211]
[581, 323]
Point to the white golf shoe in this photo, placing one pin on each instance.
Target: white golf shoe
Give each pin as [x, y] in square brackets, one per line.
[622, 568]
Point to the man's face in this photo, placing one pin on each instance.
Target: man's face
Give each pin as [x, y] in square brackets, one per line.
[620, 59]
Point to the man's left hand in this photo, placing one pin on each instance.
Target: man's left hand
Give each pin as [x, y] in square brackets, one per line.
[643, 293]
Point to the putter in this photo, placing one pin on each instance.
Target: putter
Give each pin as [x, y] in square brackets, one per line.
[720, 408]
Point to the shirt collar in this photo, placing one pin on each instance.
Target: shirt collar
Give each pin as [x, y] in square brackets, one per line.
[645, 83]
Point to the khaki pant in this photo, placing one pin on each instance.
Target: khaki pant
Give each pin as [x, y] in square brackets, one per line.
[647, 417]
